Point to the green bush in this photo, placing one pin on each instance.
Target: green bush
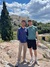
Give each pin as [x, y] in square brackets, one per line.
[15, 35]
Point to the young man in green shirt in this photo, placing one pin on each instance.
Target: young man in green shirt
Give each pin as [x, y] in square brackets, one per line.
[32, 33]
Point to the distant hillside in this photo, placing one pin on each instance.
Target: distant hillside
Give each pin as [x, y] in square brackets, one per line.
[17, 19]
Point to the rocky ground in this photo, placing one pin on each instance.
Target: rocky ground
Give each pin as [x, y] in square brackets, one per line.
[9, 53]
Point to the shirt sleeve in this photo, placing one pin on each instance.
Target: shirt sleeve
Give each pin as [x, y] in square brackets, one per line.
[27, 32]
[36, 28]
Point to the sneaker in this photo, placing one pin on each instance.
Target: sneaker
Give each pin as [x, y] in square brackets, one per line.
[31, 62]
[25, 61]
[17, 64]
[36, 62]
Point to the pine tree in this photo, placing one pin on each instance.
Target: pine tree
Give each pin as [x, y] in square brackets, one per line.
[6, 26]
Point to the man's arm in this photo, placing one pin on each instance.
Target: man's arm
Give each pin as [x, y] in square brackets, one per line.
[38, 41]
[37, 35]
[18, 34]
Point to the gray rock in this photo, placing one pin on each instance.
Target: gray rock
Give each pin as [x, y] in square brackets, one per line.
[2, 47]
[11, 53]
[6, 65]
[47, 54]
[42, 46]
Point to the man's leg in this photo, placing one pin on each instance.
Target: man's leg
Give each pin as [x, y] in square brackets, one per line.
[31, 60]
[24, 51]
[36, 60]
[35, 53]
[19, 54]
[20, 50]
[30, 50]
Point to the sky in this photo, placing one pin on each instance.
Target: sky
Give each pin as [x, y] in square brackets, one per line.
[38, 10]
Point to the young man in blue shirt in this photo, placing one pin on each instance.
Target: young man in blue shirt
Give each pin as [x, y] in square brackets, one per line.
[32, 33]
[22, 42]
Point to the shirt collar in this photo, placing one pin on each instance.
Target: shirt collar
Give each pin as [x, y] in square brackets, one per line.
[31, 26]
[23, 28]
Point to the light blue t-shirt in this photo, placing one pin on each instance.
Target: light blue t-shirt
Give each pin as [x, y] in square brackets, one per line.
[32, 32]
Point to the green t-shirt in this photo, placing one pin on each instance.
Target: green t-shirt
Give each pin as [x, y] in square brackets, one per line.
[32, 32]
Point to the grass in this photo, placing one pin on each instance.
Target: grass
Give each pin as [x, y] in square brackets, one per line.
[1, 40]
[14, 36]
[48, 39]
[48, 46]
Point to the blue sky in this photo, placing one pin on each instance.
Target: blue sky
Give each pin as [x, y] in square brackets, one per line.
[19, 1]
[35, 9]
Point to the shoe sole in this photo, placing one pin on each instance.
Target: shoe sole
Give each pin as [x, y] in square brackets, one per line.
[31, 64]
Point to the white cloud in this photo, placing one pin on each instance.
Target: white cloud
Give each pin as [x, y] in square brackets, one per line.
[14, 4]
[0, 8]
[39, 10]
[36, 9]
[17, 9]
